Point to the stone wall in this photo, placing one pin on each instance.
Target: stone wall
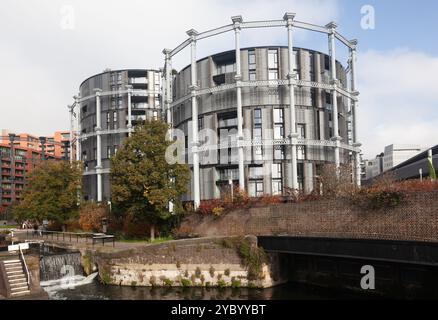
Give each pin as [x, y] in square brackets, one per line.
[416, 219]
[193, 262]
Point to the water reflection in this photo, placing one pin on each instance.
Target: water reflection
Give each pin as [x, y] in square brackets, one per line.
[291, 291]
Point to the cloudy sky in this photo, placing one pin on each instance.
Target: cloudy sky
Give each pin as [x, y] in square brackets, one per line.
[48, 47]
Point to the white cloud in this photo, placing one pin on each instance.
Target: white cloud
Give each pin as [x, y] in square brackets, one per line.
[398, 100]
[42, 64]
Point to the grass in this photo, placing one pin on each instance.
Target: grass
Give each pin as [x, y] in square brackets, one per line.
[8, 227]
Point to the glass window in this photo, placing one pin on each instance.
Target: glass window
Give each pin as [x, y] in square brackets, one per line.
[277, 187]
[257, 116]
[276, 171]
[273, 59]
[278, 116]
[273, 74]
[108, 152]
[301, 129]
[257, 133]
[255, 172]
[251, 59]
[328, 98]
[327, 62]
[278, 131]
[279, 152]
[252, 75]
[228, 173]
[256, 188]
[200, 123]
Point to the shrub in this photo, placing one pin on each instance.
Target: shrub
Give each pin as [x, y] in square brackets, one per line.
[153, 281]
[198, 272]
[235, 283]
[227, 272]
[105, 277]
[218, 211]
[206, 207]
[186, 282]
[183, 232]
[221, 283]
[211, 271]
[253, 257]
[167, 282]
[91, 215]
[135, 228]
[337, 182]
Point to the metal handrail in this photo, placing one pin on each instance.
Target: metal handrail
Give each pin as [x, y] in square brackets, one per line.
[25, 266]
[64, 235]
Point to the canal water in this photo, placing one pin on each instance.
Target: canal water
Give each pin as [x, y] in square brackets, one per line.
[290, 291]
[70, 284]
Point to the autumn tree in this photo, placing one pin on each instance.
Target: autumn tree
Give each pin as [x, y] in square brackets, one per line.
[51, 193]
[142, 181]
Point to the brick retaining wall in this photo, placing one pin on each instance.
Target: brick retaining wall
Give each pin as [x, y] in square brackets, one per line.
[416, 218]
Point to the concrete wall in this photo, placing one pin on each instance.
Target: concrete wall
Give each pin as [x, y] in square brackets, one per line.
[194, 262]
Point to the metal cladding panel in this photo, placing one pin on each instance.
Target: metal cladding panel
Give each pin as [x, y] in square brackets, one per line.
[422, 253]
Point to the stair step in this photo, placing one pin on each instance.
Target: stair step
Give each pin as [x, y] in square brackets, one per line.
[18, 285]
[24, 292]
[18, 280]
[20, 288]
[13, 267]
[11, 261]
[14, 272]
[16, 276]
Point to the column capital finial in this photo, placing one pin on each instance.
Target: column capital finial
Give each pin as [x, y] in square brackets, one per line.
[192, 33]
[331, 26]
[289, 16]
[97, 91]
[237, 20]
[353, 44]
[167, 51]
[129, 87]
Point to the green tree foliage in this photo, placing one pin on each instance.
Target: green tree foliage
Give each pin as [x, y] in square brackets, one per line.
[142, 181]
[51, 193]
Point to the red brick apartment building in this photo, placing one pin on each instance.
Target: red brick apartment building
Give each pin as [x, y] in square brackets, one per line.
[27, 152]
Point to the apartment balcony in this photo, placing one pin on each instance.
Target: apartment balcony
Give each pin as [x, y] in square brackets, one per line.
[224, 78]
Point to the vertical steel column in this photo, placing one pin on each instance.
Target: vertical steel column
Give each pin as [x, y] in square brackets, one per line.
[168, 100]
[293, 174]
[356, 142]
[167, 86]
[237, 20]
[99, 145]
[71, 109]
[196, 187]
[332, 48]
[129, 89]
[78, 132]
